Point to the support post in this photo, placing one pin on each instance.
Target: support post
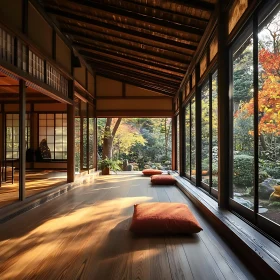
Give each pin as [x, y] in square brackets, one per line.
[174, 146]
[70, 139]
[223, 107]
[22, 148]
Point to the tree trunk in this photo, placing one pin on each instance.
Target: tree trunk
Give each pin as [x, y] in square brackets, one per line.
[108, 138]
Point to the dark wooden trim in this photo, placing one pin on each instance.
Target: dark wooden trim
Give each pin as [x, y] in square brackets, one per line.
[256, 114]
[87, 52]
[109, 26]
[174, 142]
[22, 149]
[53, 44]
[24, 23]
[133, 97]
[182, 133]
[16, 53]
[223, 111]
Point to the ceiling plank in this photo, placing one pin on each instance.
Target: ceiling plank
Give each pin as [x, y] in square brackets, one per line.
[186, 51]
[166, 11]
[146, 33]
[133, 48]
[134, 74]
[115, 11]
[86, 51]
[124, 61]
[120, 63]
[122, 78]
[196, 4]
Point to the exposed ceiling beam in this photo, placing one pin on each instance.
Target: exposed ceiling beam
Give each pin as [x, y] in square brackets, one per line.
[134, 74]
[135, 82]
[145, 33]
[166, 11]
[87, 52]
[146, 70]
[186, 51]
[115, 11]
[196, 4]
[149, 68]
[132, 48]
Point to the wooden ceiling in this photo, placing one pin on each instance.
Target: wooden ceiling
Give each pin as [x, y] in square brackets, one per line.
[145, 43]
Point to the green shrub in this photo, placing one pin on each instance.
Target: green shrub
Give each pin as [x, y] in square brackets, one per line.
[243, 170]
[263, 175]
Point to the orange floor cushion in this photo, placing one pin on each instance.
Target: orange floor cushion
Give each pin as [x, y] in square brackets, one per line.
[149, 172]
[163, 218]
[162, 180]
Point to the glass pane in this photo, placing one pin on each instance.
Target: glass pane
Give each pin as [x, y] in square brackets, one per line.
[50, 122]
[50, 131]
[205, 116]
[193, 139]
[50, 139]
[58, 122]
[269, 119]
[42, 122]
[188, 141]
[215, 131]
[243, 142]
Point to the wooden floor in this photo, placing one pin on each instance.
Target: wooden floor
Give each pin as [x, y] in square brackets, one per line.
[35, 182]
[84, 235]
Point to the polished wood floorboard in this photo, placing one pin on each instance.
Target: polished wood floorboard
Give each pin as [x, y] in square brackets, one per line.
[84, 235]
[36, 182]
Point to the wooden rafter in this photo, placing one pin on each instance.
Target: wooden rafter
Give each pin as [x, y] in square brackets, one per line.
[122, 64]
[140, 17]
[185, 51]
[87, 52]
[124, 47]
[196, 4]
[160, 35]
[135, 74]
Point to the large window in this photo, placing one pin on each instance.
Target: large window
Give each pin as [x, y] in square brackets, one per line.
[190, 138]
[209, 133]
[255, 96]
[53, 132]
[12, 135]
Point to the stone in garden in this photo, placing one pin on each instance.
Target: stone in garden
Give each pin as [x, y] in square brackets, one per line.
[275, 196]
[265, 189]
[244, 202]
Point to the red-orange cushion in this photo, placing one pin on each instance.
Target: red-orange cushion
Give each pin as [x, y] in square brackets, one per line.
[163, 180]
[150, 172]
[163, 218]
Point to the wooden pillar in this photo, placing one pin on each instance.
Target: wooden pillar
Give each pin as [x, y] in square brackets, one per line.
[174, 142]
[223, 106]
[71, 138]
[22, 144]
[182, 137]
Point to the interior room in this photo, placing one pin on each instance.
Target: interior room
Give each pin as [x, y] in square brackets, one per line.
[139, 139]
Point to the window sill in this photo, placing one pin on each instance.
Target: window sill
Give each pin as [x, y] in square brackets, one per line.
[257, 251]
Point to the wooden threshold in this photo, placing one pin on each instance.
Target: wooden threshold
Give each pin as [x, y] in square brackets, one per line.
[262, 254]
[84, 235]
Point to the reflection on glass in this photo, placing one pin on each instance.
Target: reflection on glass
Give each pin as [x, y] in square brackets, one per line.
[215, 131]
[269, 120]
[243, 142]
[205, 117]
[193, 139]
[188, 140]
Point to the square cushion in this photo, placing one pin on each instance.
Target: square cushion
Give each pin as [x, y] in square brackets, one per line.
[149, 172]
[162, 180]
[163, 218]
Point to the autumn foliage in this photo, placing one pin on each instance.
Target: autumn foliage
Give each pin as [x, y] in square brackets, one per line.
[269, 94]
